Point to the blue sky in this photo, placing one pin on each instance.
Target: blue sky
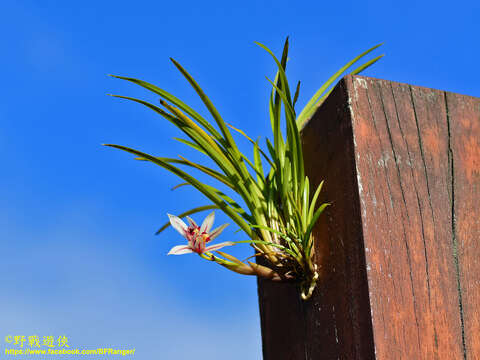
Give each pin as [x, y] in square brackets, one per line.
[79, 257]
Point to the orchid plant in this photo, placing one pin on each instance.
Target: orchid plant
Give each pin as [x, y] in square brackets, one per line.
[280, 206]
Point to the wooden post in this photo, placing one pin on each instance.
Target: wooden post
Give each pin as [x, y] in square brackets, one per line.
[399, 249]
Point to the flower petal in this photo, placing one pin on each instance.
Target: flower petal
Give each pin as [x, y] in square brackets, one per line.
[219, 246]
[178, 224]
[217, 231]
[192, 222]
[207, 223]
[180, 250]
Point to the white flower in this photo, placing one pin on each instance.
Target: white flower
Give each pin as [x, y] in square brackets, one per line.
[197, 236]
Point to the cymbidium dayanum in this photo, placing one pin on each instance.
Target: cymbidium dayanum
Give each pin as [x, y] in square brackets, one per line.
[280, 211]
[197, 236]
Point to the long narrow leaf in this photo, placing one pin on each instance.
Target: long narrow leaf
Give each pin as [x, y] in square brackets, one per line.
[211, 108]
[243, 182]
[297, 93]
[281, 68]
[366, 65]
[314, 200]
[358, 70]
[191, 144]
[311, 103]
[253, 142]
[180, 185]
[314, 219]
[269, 244]
[174, 100]
[203, 188]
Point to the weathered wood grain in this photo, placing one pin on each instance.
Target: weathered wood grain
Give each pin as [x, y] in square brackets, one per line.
[464, 150]
[398, 249]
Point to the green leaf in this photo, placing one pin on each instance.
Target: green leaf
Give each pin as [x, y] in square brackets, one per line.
[212, 149]
[236, 168]
[258, 163]
[191, 144]
[314, 219]
[305, 200]
[366, 65]
[294, 146]
[206, 170]
[297, 92]
[180, 185]
[203, 188]
[311, 103]
[174, 100]
[314, 200]
[268, 243]
[253, 142]
[211, 108]
[275, 111]
[354, 72]
[282, 235]
[281, 67]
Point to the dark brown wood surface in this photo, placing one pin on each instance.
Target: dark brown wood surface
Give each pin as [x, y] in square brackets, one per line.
[399, 249]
